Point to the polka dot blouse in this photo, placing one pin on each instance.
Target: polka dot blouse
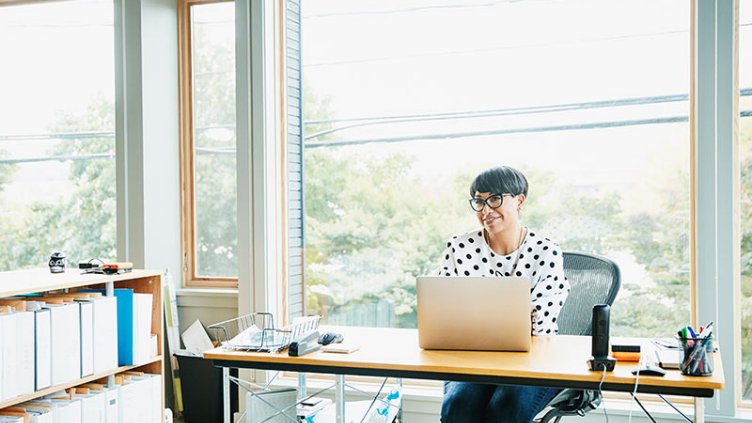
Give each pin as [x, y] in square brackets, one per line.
[540, 259]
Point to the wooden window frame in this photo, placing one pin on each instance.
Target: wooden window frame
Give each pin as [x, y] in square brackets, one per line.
[187, 163]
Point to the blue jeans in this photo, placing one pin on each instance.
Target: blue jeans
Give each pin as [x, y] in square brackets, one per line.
[476, 402]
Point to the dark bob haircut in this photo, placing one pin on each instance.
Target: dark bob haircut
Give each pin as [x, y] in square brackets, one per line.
[500, 180]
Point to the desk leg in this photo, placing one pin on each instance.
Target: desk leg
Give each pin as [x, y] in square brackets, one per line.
[699, 410]
[401, 399]
[301, 386]
[339, 398]
[226, 394]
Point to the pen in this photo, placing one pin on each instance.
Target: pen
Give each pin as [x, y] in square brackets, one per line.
[685, 338]
[693, 361]
[708, 328]
[699, 363]
[682, 333]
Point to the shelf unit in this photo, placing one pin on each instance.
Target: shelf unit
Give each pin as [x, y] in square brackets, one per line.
[20, 282]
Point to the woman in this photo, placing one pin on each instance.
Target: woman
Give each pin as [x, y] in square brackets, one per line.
[504, 247]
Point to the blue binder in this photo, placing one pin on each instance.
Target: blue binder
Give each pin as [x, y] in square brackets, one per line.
[125, 323]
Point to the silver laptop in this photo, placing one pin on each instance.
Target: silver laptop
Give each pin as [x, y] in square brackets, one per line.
[474, 313]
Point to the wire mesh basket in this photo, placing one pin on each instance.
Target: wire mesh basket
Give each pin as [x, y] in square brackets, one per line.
[256, 332]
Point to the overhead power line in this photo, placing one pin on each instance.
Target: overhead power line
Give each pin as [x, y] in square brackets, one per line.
[365, 121]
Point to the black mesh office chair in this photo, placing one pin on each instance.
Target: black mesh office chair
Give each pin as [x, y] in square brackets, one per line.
[593, 280]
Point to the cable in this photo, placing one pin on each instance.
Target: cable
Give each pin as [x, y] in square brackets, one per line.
[645, 410]
[600, 391]
[634, 393]
[674, 407]
[97, 259]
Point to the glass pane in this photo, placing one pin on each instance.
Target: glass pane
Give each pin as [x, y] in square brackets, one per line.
[588, 99]
[215, 187]
[745, 155]
[57, 126]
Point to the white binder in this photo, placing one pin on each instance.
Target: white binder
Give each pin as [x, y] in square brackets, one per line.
[43, 351]
[107, 399]
[112, 405]
[135, 401]
[156, 396]
[93, 407]
[25, 352]
[8, 355]
[66, 411]
[86, 325]
[141, 327]
[105, 334]
[65, 342]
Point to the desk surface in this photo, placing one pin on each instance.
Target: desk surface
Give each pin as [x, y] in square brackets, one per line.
[558, 361]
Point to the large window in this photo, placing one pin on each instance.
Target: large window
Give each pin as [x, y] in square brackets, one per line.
[57, 126]
[589, 99]
[745, 155]
[208, 143]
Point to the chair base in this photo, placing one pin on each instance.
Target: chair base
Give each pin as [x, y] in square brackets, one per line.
[571, 402]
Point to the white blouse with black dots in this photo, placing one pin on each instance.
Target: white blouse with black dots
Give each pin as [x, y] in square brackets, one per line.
[540, 259]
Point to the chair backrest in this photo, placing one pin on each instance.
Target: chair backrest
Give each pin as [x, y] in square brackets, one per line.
[593, 280]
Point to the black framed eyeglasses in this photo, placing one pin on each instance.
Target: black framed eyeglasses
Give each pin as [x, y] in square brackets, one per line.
[494, 201]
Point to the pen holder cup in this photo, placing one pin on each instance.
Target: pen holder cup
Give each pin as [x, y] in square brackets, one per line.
[696, 356]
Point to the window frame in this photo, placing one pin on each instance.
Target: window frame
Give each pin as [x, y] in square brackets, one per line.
[187, 163]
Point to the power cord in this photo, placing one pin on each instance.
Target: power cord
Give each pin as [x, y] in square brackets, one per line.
[91, 263]
[634, 393]
[645, 362]
[600, 391]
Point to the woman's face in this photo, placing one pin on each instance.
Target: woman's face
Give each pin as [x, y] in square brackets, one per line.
[502, 218]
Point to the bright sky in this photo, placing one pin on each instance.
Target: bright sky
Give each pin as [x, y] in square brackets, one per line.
[60, 58]
[420, 56]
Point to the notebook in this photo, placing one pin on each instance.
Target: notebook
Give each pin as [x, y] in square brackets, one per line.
[474, 313]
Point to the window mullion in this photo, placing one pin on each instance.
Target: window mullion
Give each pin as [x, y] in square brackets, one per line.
[716, 251]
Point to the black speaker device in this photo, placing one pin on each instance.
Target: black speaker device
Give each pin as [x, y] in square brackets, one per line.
[600, 359]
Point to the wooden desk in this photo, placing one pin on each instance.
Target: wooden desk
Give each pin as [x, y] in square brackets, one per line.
[556, 361]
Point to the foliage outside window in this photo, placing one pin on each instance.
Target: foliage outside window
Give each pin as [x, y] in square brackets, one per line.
[590, 100]
[745, 206]
[208, 138]
[57, 142]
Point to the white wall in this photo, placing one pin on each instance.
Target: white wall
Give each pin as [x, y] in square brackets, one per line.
[208, 306]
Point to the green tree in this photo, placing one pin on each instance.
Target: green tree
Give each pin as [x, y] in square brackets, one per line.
[366, 221]
[6, 225]
[82, 222]
[215, 181]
